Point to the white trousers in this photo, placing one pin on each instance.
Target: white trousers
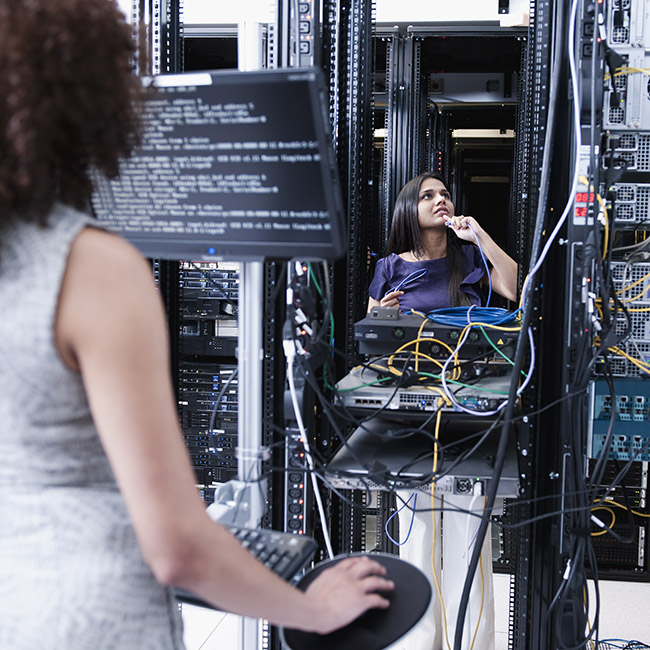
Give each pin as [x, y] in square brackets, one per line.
[443, 550]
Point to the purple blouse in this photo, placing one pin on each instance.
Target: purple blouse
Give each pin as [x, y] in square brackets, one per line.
[431, 289]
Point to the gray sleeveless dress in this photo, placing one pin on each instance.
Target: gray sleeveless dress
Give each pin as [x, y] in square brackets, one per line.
[72, 576]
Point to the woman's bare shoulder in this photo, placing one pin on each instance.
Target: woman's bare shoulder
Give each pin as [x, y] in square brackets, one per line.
[107, 290]
[94, 245]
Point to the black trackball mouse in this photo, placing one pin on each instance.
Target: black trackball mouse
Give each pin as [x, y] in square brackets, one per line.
[376, 628]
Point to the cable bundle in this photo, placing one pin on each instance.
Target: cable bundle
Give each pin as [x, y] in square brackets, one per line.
[462, 316]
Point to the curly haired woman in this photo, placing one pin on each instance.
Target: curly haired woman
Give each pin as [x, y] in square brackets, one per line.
[98, 510]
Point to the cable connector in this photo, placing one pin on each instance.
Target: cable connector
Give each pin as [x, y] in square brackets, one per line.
[640, 256]
[602, 32]
[596, 324]
[408, 378]
[288, 342]
[597, 521]
[306, 329]
[590, 303]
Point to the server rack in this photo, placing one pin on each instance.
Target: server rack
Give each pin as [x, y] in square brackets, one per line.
[347, 29]
[527, 577]
[617, 407]
[347, 59]
[348, 33]
[598, 335]
[407, 115]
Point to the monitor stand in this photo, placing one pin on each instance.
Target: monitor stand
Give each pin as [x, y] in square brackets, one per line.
[242, 501]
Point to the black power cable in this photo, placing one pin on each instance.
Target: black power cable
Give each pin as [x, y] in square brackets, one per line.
[527, 310]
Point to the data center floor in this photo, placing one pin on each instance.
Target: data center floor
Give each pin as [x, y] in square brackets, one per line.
[624, 615]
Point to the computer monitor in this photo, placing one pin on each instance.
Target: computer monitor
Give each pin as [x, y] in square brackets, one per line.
[233, 166]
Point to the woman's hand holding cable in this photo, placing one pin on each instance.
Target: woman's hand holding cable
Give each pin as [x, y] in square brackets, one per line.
[504, 268]
[463, 227]
[391, 299]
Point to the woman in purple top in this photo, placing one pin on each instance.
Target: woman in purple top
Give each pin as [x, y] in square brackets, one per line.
[431, 262]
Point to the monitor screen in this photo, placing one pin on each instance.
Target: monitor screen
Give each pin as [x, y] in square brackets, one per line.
[233, 165]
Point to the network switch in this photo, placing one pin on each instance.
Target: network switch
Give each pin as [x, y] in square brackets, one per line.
[628, 409]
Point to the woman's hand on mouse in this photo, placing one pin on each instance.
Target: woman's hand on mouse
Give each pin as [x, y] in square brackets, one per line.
[345, 591]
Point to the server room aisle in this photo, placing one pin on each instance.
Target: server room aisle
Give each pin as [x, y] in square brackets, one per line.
[623, 611]
[206, 629]
[624, 615]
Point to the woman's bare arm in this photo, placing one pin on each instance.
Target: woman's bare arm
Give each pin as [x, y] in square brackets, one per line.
[504, 268]
[111, 327]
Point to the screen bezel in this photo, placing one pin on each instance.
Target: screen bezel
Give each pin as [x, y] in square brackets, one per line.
[330, 246]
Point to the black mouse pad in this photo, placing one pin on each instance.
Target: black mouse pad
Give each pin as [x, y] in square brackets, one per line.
[377, 628]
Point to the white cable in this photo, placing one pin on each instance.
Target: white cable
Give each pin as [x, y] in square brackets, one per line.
[578, 144]
[552, 236]
[450, 395]
[475, 497]
[458, 406]
[290, 354]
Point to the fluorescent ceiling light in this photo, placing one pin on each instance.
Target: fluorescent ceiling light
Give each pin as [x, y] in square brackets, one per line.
[482, 133]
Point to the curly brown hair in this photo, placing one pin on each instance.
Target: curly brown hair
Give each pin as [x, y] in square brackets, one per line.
[69, 101]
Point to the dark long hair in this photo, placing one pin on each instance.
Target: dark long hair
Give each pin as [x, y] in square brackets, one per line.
[69, 101]
[405, 235]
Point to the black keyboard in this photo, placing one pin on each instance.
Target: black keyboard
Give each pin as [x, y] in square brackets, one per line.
[284, 553]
